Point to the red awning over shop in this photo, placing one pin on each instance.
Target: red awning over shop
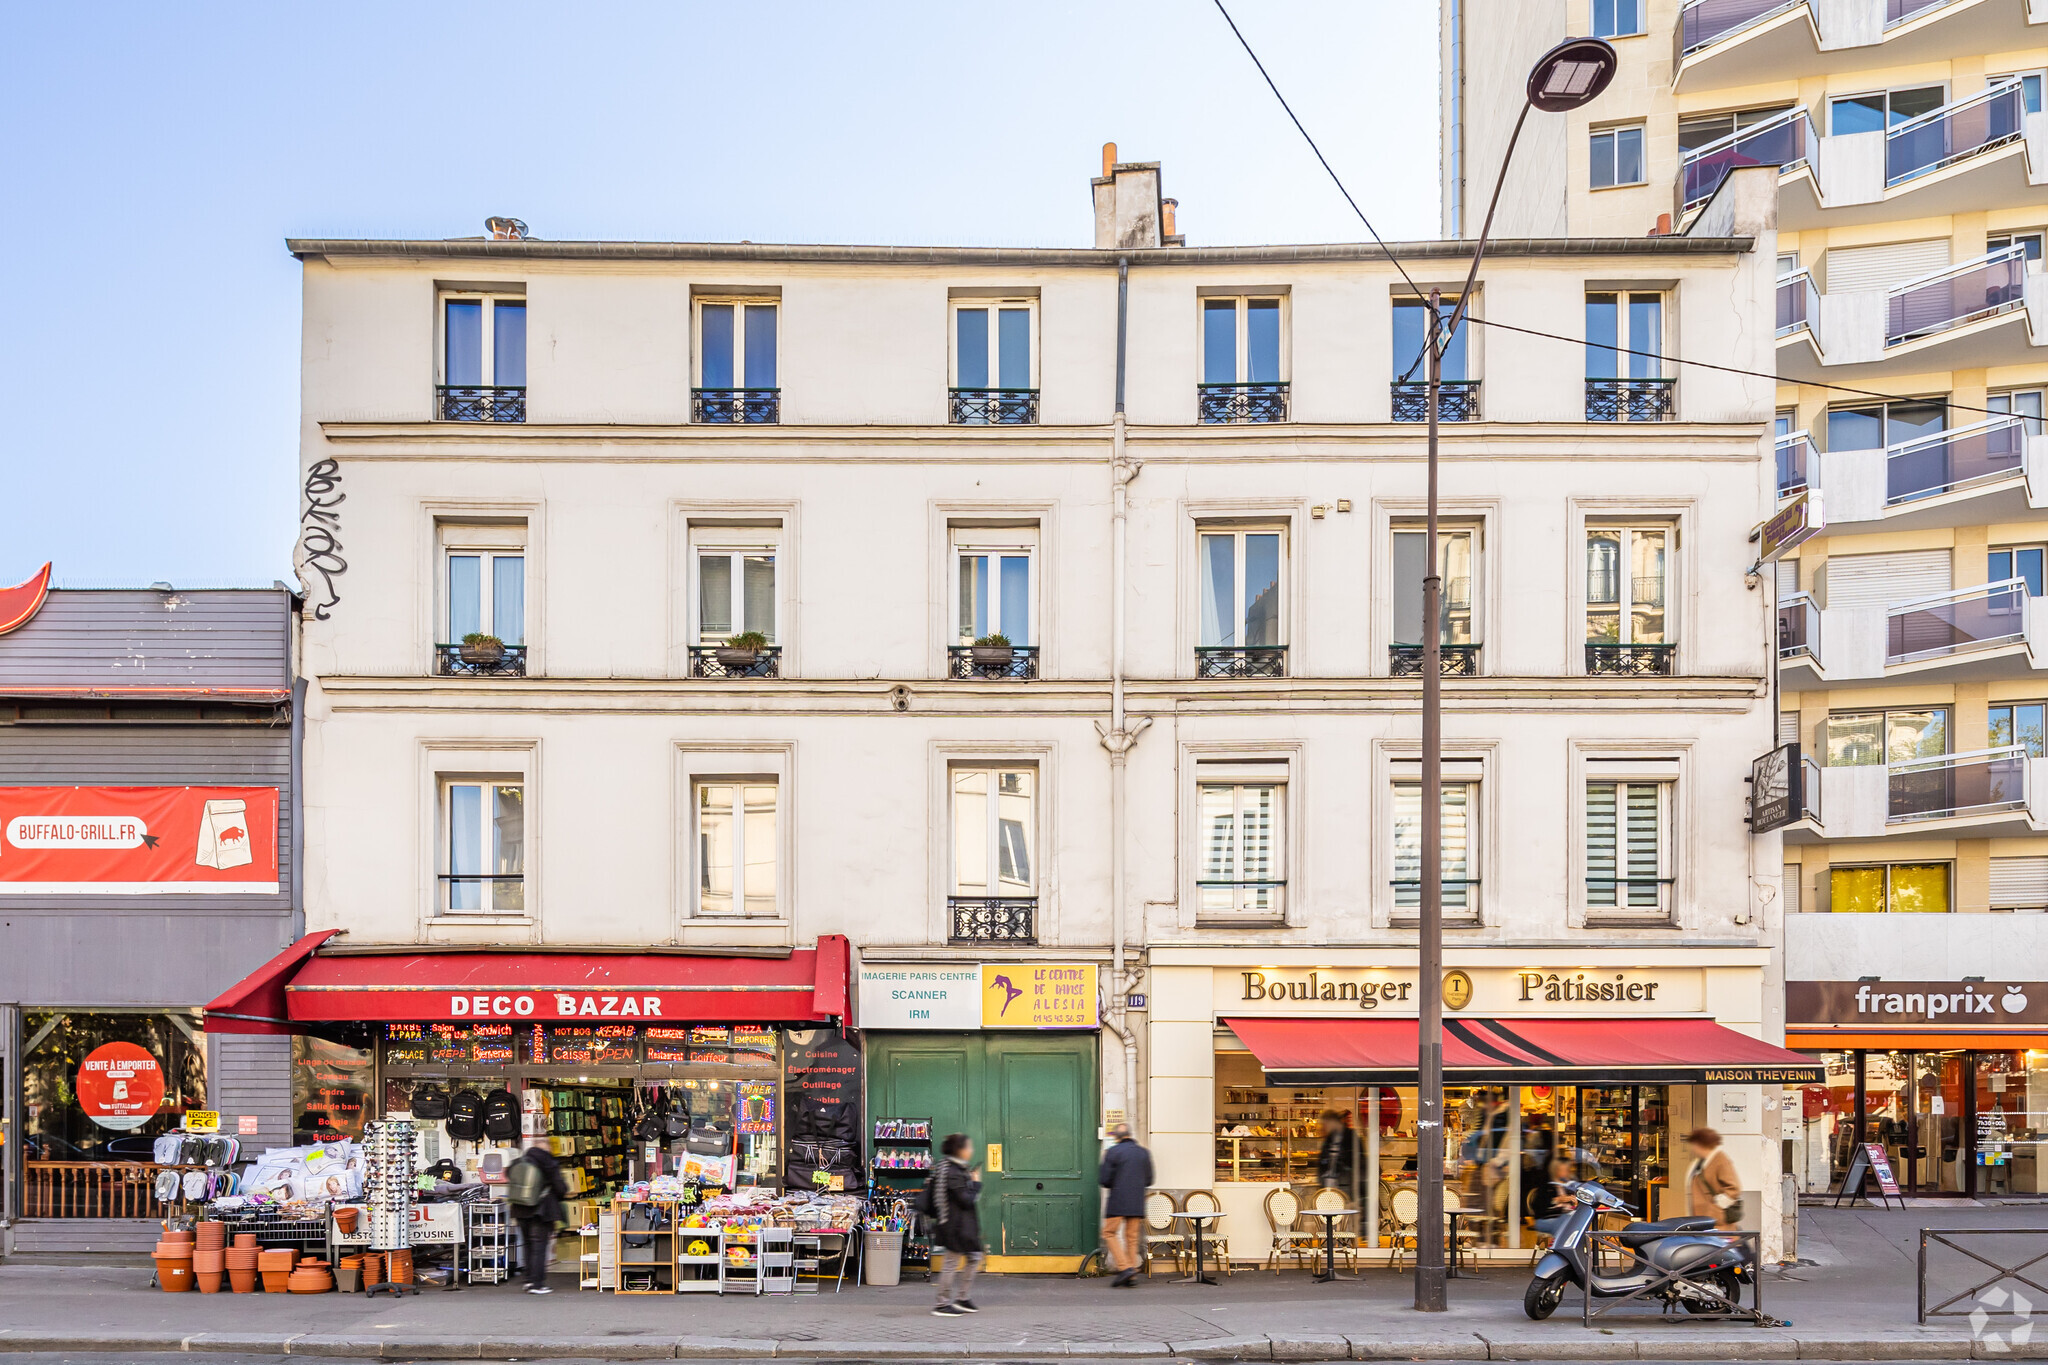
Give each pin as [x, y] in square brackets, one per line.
[1520, 1051]
[808, 985]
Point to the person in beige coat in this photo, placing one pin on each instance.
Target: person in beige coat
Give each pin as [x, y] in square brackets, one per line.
[1713, 1190]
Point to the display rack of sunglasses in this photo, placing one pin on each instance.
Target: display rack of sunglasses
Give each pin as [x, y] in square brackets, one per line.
[889, 1193]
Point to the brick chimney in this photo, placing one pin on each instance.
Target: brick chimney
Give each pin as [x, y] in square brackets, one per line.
[1128, 212]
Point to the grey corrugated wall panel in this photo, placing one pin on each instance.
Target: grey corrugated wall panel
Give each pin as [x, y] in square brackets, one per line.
[251, 1073]
[134, 639]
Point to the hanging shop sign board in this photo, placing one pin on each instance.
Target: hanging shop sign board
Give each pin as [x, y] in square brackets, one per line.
[1038, 995]
[916, 997]
[67, 841]
[1797, 522]
[431, 1225]
[120, 1086]
[1776, 789]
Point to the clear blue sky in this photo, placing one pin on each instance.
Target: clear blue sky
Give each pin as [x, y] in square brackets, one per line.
[157, 157]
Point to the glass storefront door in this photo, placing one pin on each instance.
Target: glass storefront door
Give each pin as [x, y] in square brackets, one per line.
[1951, 1122]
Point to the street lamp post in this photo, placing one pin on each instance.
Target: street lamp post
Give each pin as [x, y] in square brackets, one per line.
[1571, 74]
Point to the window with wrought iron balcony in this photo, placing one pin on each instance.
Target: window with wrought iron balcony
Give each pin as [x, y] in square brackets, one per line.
[1625, 379]
[1242, 572]
[736, 363]
[1242, 362]
[994, 605]
[483, 359]
[1458, 626]
[484, 601]
[1629, 629]
[995, 833]
[734, 634]
[1457, 393]
[995, 371]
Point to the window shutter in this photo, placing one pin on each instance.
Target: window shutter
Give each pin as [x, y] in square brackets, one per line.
[1788, 727]
[1880, 580]
[1881, 267]
[1601, 843]
[2019, 883]
[1457, 808]
[1787, 571]
[1643, 822]
[1792, 873]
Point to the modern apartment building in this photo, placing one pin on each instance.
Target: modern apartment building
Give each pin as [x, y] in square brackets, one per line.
[1910, 149]
[1008, 657]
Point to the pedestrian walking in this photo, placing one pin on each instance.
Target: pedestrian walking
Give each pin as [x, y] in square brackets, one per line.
[535, 1189]
[1713, 1189]
[954, 1192]
[1337, 1160]
[1126, 1173]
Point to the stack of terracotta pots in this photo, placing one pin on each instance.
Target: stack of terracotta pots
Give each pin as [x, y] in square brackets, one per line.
[310, 1277]
[398, 1266]
[276, 1268]
[373, 1268]
[209, 1256]
[241, 1263]
[173, 1256]
[348, 1274]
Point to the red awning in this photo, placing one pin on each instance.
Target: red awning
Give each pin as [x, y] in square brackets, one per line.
[1520, 1051]
[256, 1003]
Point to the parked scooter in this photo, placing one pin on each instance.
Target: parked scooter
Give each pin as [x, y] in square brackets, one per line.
[1703, 1273]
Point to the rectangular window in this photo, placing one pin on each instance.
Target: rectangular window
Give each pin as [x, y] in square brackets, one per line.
[995, 832]
[1458, 563]
[483, 340]
[1240, 341]
[993, 587]
[1460, 805]
[1873, 113]
[1875, 426]
[1242, 855]
[1896, 888]
[2017, 561]
[1628, 865]
[486, 595]
[736, 363]
[483, 847]
[1624, 336]
[1411, 337]
[1628, 585]
[1617, 18]
[2025, 403]
[738, 847]
[2023, 723]
[735, 591]
[1617, 157]
[1700, 130]
[1861, 739]
[2030, 83]
[992, 345]
[1241, 588]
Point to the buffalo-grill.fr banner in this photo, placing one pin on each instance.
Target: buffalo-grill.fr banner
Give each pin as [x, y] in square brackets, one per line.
[138, 840]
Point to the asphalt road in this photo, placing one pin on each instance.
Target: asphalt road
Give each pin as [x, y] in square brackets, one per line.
[198, 1358]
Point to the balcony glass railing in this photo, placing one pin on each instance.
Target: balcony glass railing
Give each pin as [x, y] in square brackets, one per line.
[1990, 118]
[1957, 784]
[1795, 462]
[1960, 294]
[1798, 628]
[1787, 140]
[1956, 622]
[1899, 11]
[1798, 303]
[1809, 791]
[1950, 461]
[1709, 21]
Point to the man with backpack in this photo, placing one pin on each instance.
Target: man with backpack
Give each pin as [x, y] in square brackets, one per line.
[535, 1189]
[949, 1197]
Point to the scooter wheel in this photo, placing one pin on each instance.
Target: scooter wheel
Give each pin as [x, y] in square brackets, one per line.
[1724, 1283]
[1543, 1295]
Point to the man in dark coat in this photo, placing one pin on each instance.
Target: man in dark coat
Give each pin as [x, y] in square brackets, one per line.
[1337, 1160]
[1126, 1174]
[955, 1192]
[538, 1222]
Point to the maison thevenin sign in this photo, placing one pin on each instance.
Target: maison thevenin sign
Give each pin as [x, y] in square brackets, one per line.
[1550, 991]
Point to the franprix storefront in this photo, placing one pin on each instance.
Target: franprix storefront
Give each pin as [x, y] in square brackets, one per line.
[1590, 1063]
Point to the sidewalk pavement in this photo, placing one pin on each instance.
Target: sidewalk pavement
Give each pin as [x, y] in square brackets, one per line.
[1856, 1301]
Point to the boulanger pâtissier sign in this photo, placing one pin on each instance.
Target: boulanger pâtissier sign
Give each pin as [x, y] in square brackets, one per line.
[1553, 992]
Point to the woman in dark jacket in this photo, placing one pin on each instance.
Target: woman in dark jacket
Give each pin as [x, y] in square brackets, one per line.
[955, 1191]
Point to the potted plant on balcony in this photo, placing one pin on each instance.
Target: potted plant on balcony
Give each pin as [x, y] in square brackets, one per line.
[479, 650]
[993, 651]
[742, 651]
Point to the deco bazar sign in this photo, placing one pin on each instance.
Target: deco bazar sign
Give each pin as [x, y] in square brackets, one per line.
[1475, 990]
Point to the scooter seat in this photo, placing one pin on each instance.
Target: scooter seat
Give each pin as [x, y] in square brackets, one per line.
[1642, 1234]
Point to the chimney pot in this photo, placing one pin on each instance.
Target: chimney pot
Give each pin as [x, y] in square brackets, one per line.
[1108, 158]
[1663, 228]
[1169, 207]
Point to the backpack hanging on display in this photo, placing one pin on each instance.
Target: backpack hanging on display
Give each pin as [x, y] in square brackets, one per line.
[466, 1116]
[501, 1115]
[429, 1101]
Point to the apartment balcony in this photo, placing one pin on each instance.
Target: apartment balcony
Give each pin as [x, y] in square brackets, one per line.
[986, 663]
[480, 402]
[1723, 43]
[992, 407]
[1453, 661]
[1457, 400]
[1250, 661]
[1985, 794]
[736, 407]
[1987, 312]
[992, 919]
[1240, 403]
[1906, 947]
[1975, 634]
[1989, 471]
[462, 661]
[1630, 400]
[723, 661]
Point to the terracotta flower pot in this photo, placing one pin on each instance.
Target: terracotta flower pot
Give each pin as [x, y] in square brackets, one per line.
[212, 1233]
[206, 1262]
[345, 1220]
[174, 1274]
[373, 1270]
[399, 1268]
[276, 1281]
[206, 1281]
[242, 1281]
[245, 1240]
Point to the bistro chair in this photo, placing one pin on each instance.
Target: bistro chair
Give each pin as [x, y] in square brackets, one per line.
[1401, 1237]
[1291, 1236]
[1214, 1242]
[1347, 1231]
[1160, 1233]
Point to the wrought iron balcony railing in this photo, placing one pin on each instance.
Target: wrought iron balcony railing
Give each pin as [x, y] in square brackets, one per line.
[1977, 782]
[1941, 137]
[1646, 661]
[1785, 141]
[1455, 661]
[1457, 400]
[736, 407]
[1629, 400]
[1709, 21]
[723, 661]
[1798, 628]
[1980, 617]
[1951, 461]
[1250, 661]
[1991, 284]
[480, 402]
[483, 893]
[453, 661]
[1795, 462]
[992, 919]
[1015, 663]
[1798, 303]
[993, 407]
[1241, 402]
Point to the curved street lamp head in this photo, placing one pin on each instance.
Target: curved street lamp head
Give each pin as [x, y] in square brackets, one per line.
[1572, 74]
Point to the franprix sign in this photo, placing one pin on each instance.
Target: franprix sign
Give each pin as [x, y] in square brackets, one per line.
[1960, 1005]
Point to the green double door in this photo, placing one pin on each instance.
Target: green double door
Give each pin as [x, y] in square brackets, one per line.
[1029, 1102]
